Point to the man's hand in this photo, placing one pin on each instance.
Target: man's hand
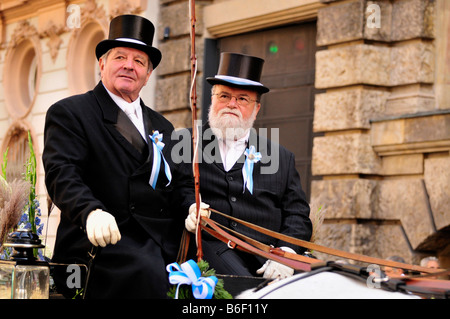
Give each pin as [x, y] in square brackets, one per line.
[102, 229]
[273, 269]
[191, 220]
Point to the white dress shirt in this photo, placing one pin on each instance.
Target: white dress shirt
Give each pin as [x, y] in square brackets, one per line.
[230, 150]
[133, 110]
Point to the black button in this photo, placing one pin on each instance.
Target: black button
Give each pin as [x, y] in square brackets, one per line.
[233, 199]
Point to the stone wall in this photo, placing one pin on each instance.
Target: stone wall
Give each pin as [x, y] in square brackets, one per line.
[174, 72]
[384, 157]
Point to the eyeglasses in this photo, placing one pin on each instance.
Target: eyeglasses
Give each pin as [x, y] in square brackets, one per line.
[242, 100]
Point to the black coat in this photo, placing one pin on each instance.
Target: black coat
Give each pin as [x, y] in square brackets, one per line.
[90, 162]
[278, 201]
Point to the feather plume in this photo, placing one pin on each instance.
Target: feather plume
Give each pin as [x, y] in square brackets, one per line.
[5, 192]
[14, 198]
[316, 215]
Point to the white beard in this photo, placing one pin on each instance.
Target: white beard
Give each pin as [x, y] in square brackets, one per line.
[230, 127]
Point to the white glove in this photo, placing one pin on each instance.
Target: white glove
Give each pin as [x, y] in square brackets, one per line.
[102, 229]
[191, 220]
[273, 269]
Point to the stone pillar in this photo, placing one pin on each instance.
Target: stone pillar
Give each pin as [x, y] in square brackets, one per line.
[377, 69]
[174, 72]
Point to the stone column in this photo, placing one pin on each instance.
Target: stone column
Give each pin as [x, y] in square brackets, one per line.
[174, 73]
[377, 63]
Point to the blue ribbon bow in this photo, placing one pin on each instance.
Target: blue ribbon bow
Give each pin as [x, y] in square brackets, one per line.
[252, 157]
[189, 274]
[158, 145]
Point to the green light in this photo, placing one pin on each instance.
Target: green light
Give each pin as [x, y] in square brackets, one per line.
[273, 48]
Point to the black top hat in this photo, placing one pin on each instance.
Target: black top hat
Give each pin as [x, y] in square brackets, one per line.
[239, 70]
[133, 32]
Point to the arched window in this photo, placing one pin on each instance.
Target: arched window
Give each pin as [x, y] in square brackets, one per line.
[82, 65]
[22, 68]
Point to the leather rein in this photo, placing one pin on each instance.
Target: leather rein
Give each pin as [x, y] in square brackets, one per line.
[414, 283]
[237, 240]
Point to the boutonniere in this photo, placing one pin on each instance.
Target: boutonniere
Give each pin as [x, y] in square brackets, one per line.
[158, 146]
[251, 157]
[195, 280]
[189, 274]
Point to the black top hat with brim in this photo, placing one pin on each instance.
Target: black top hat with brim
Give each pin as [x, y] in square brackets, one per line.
[239, 70]
[130, 31]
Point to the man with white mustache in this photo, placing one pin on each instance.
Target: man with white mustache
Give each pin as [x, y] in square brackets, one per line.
[271, 200]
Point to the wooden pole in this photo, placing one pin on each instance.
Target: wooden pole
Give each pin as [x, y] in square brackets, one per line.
[193, 97]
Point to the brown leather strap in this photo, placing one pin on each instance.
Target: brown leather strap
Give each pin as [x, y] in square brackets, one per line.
[217, 232]
[184, 247]
[327, 250]
[302, 263]
[432, 284]
[270, 249]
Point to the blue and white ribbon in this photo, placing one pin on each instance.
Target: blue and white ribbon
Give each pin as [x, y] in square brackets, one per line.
[158, 146]
[189, 274]
[252, 157]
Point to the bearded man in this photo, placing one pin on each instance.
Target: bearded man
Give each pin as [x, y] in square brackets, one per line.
[270, 195]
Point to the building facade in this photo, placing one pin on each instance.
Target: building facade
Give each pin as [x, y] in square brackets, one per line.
[360, 92]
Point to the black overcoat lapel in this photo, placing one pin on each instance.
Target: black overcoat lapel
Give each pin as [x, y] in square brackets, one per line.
[118, 124]
[154, 123]
[210, 148]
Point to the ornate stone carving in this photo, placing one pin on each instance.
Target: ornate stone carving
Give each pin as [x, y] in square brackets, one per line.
[91, 12]
[53, 32]
[24, 30]
[125, 7]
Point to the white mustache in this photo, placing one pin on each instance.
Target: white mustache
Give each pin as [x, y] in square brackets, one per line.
[228, 110]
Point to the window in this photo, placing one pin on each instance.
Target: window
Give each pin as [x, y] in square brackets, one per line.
[82, 65]
[22, 68]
